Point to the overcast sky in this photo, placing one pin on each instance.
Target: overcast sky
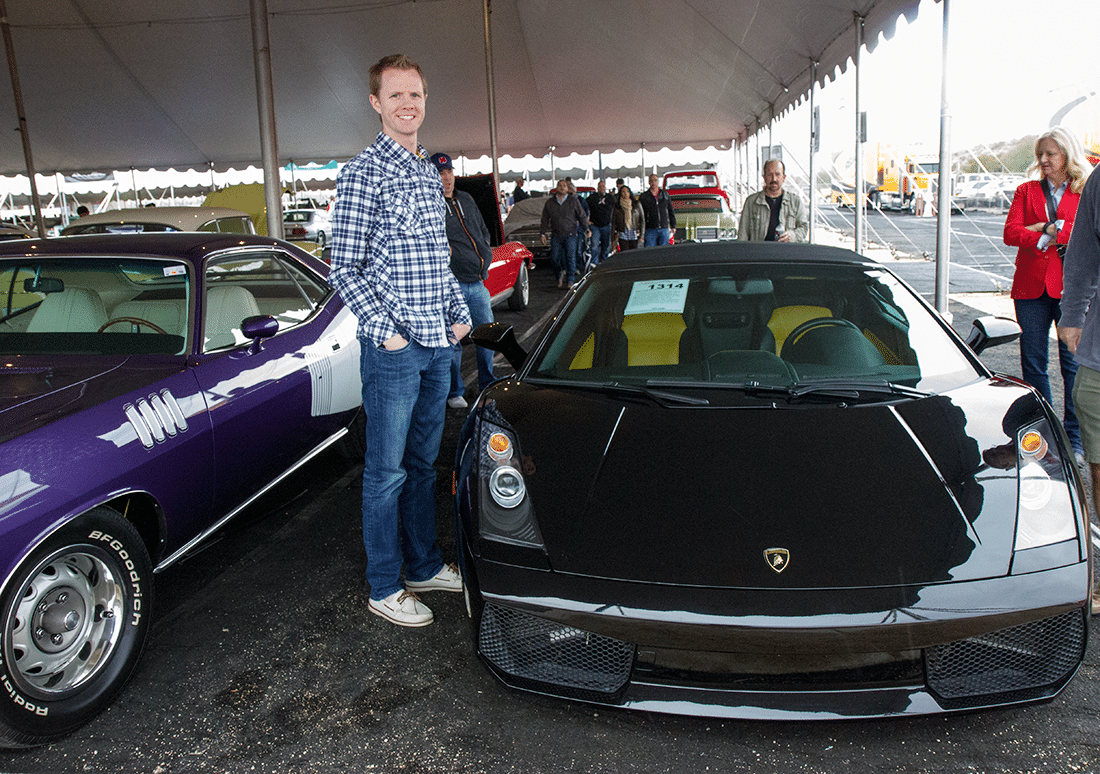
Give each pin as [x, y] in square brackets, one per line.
[1012, 65]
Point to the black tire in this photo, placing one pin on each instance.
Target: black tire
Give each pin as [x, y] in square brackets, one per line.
[321, 238]
[75, 615]
[521, 291]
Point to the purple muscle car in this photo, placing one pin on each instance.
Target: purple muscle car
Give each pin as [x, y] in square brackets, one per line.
[151, 386]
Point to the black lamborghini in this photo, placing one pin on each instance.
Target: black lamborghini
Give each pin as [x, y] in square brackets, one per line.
[764, 480]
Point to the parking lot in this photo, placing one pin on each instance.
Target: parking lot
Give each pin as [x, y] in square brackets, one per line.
[264, 658]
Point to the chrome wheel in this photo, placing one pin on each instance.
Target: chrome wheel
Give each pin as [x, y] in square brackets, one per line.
[66, 624]
[74, 618]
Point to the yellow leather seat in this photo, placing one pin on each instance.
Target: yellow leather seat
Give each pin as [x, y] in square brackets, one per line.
[786, 318]
[654, 338]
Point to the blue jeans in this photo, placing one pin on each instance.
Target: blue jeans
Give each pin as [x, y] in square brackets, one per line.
[477, 300]
[563, 255]
[1036, 316]
[601, 243]
[404, 397]
[656, 236]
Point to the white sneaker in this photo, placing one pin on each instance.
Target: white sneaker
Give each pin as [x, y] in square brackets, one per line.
[447, 579]
[403, 608]
[457, 402]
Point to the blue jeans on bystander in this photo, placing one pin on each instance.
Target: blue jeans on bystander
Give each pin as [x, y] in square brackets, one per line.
[563, 255]
[481, 312]
[601, 243]
[1036, 316]
[656, 236]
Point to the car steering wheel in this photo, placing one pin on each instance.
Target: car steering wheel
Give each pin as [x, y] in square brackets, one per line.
[818, 322]
[135, 320]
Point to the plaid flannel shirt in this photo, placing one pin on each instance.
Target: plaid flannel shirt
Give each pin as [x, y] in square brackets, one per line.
[390, 260]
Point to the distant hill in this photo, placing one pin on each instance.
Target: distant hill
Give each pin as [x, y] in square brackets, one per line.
[1013, 156]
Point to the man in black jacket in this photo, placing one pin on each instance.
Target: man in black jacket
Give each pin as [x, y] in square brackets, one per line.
[660, 220]
[470, 259]
[600, 205]
[560, 218]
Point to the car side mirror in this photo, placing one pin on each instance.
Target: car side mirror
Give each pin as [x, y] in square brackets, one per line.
[500, 337]
[990, 332]
[258, 328]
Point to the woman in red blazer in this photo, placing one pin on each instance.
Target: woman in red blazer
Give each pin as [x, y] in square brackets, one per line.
[1039, 224]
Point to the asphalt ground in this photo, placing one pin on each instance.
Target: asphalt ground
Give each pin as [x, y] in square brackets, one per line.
[263, 658]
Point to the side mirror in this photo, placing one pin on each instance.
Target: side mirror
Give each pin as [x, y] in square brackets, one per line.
[990, 332]
[257, 328]
[500, 337]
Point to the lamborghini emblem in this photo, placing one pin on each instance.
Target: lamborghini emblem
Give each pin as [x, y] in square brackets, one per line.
[777, 558]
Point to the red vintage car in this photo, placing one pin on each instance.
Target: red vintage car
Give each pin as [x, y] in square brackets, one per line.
[509, 273]
[695, 182]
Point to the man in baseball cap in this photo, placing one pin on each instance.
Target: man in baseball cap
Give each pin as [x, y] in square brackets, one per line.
[470, 259]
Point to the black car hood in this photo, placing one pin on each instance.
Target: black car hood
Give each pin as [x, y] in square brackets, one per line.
[35, 390]
[855, 496]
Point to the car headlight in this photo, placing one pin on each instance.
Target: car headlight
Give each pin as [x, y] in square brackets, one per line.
[505, 508]
[1045, 511]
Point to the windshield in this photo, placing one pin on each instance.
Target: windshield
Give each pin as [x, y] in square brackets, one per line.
[94, 306]
[117, 228]
[689, 204]
[697, 180]
[763, 324]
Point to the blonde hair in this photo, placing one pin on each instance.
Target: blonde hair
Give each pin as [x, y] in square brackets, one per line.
[1077, 163]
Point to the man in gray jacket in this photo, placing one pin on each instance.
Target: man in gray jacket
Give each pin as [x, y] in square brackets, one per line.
[1079, 326]
[774, 215]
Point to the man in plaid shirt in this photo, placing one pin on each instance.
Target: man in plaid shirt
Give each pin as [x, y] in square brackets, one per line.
[391, 265]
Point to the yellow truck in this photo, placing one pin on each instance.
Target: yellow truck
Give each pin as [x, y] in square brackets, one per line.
[899, 175]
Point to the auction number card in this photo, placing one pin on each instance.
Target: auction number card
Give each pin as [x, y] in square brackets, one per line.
[657, 296]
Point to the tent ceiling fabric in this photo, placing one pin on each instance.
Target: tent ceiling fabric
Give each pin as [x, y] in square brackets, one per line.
[159, 83]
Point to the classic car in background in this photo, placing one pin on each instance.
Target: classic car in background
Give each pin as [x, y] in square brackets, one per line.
[693, 182]
[141, 220]
[524, 225]
[703, 218]
[793, 492]
[152, 386]
[509, 273]
[9, 230]
[307, 226]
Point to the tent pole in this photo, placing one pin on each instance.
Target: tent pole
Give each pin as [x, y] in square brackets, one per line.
[490, 88]
[858, 188]
[943, 215]
[17, 92]
[813, 147]
[265, 97]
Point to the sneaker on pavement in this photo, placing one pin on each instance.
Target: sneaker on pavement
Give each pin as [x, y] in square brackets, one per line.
[457, 402]
[447, 579]
[403, 608]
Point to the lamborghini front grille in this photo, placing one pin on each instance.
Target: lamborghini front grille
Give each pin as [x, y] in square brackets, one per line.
[541, 655]
[1024, 662]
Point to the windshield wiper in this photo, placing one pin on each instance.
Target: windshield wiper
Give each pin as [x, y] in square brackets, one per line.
[844, 389]
[615, 388]
[853, 388]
